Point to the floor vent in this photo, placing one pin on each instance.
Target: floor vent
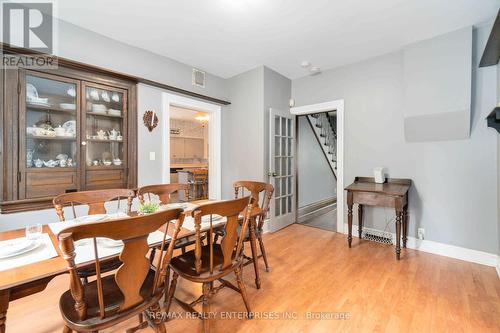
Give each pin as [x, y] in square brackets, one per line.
[383, 237]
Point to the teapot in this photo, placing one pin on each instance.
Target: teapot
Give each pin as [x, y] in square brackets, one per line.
[113, 134]
[101, 134]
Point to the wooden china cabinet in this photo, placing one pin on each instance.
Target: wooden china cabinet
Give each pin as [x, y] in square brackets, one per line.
[64, 130]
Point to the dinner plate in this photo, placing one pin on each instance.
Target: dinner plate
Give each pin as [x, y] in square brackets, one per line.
[108, 242]
[17, 246]
[175, 205]
[90, 218]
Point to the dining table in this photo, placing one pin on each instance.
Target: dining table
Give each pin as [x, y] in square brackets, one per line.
[33, 278]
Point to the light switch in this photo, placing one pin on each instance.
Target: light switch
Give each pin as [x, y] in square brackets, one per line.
[152, 155]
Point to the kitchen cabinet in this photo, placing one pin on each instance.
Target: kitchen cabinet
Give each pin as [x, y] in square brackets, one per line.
[187, 148]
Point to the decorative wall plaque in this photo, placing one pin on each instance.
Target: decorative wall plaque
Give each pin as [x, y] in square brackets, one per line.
[150, 120]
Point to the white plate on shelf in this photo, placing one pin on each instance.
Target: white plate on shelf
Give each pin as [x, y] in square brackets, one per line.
[39, 102]
[18, 246]
[67, 106]
[31, 91]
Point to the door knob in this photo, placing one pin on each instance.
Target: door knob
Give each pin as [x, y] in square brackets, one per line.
[272, 174]
[84, 143]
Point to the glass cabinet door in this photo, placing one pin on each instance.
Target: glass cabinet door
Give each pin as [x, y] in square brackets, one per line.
[48, 134]
[104, 134]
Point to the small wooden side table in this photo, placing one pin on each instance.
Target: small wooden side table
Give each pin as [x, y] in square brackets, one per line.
[393, 193]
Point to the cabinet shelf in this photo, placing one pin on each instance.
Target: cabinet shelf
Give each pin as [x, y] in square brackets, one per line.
[97, 114]
[104, 167]
[104, 141]
[56, 138]
[39, 108]
[45, 169]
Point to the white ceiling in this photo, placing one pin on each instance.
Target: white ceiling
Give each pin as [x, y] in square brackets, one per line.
[227, 37]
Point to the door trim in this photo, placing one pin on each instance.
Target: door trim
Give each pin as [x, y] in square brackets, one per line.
[324, 107]
[214, 138]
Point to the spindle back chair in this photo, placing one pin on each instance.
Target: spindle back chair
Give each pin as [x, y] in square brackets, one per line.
[208, 263]
[134, 289]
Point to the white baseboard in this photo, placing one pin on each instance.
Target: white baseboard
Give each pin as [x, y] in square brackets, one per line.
[452, 251]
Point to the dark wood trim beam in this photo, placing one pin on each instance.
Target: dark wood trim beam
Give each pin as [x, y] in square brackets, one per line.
[7, 49]
[492, 50]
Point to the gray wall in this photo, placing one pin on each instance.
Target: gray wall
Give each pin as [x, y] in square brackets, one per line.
[277, 93]
[437, 87]
[150, 172]
[245, 131]
[452, 197]
[242, 130]
[316, 180]
[86, 46]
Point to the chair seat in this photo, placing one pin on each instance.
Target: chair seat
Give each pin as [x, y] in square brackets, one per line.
[186, 241]
[113, 298]
[184, 264]
[106, 266]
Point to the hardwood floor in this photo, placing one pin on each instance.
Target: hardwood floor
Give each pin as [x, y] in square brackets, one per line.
[314, 271]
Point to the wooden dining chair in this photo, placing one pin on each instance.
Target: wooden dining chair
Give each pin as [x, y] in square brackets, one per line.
[261, 194]
[96, 201]
[209, 263]
[200, 182]
[164, 192]
[134, 289]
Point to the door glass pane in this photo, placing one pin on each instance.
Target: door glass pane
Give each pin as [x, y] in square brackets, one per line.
[283, 146]
[277, 209]
[283, 167]
[283, 186]
[283, 126]
[104, 128]
[283, 206]
[277, 146]
[50, 123]
[289, 126]
[289, 204]
[277, 125]
[277, 187]
[289, 146]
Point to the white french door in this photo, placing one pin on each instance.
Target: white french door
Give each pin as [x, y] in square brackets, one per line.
[282, 167]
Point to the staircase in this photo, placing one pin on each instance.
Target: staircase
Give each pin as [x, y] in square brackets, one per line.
[324, 126]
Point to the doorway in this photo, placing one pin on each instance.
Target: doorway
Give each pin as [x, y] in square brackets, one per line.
[336, 106]
[189, 147]
[192, 146]
[317, 170]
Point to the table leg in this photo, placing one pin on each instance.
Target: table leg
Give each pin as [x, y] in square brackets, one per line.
[349, 224]
[398, 234]
[360, 220]
[255, 255]
[405, 225]
[4, 305]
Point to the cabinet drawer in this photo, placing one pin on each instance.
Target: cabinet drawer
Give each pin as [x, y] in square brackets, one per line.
[48, 184]
[97, 179]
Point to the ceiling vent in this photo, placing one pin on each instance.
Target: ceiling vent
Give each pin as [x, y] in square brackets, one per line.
[198, 78]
